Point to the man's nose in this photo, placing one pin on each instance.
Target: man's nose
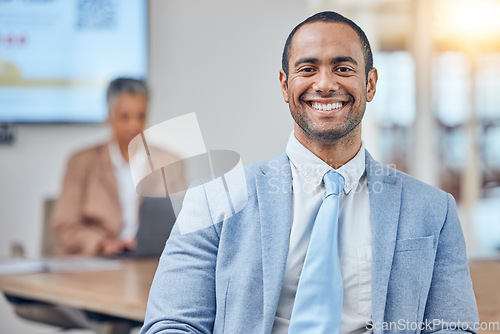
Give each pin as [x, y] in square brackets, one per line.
[326, 81]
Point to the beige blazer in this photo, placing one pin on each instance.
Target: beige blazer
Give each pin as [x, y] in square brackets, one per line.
[88, 209]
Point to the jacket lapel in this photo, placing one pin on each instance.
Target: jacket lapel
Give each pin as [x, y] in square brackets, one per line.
[274, 195]
[385, 200]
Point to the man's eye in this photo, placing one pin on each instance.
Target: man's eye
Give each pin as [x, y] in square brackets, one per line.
[307, 70]
[343, 69]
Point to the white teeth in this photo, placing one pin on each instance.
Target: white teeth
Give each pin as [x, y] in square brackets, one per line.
[326, 107]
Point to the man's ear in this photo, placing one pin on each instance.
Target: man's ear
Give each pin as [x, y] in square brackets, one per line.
[284, 87]
[371, 84]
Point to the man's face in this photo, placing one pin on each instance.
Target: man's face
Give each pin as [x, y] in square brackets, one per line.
[127, 116]
[327, 89]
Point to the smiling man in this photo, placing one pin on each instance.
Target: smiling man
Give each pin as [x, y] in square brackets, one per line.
[326, 81]
[330, 241]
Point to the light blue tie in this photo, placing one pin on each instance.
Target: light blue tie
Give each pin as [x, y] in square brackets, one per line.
[318, 302]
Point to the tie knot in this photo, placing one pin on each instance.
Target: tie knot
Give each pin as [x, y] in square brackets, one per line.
[334, 183]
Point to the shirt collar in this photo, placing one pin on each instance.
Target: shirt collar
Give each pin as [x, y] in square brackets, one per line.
[313, 168]
[115, 155]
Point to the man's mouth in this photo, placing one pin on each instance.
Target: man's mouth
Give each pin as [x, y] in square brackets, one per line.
[322, 107]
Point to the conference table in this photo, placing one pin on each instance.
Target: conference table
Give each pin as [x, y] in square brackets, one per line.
[121, 293]
[124, 292]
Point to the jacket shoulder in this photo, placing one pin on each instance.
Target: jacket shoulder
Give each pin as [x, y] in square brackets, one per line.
[270, 166]
[413, 191]
[88, 153]
[411, 183]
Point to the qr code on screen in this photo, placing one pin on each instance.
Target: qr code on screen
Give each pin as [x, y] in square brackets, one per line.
[96, 14]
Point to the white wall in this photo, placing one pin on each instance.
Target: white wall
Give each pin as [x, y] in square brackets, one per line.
[219, 58]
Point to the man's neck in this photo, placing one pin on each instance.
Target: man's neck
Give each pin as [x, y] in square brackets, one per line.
[334, 153]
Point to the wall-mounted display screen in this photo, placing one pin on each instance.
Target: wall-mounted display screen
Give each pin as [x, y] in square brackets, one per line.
[57, 56]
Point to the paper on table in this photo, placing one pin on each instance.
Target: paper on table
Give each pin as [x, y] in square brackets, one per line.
[82, 263]
[20, 266]
[63, 264]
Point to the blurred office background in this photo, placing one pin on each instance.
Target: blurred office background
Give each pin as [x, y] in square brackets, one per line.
[436, 114]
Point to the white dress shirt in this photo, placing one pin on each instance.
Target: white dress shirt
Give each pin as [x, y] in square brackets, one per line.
[129, 199]
[354, 235]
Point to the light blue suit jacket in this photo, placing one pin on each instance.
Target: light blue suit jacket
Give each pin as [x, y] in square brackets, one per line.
[226, 276]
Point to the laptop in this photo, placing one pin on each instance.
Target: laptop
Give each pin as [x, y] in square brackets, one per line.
[156, 219]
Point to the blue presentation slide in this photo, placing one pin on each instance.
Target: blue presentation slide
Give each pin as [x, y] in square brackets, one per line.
[57, 56]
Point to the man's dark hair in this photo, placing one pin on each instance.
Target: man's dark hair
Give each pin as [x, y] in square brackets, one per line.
[329, 17]
[126, 85]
